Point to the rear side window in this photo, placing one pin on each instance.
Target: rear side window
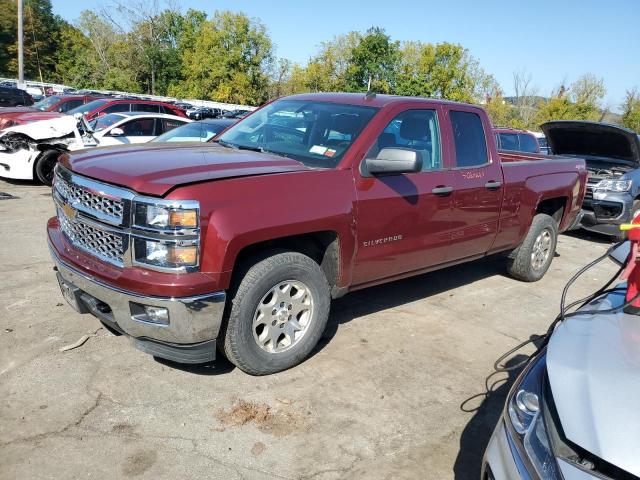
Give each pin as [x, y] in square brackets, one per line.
[145, 107]
[528, 143]
[116, 107]
[509, 141]
[169, 124]
[141, 127]
[469, 139]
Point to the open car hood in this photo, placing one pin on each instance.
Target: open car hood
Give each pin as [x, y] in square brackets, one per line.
[593, 363]
[593, 140]
[156, 168]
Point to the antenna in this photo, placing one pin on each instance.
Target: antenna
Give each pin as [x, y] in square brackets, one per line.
[369, 93]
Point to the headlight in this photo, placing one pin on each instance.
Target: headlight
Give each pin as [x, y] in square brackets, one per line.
[165, 254]
[526, 421]
[165, 217]
[166, 234]
[609, 185]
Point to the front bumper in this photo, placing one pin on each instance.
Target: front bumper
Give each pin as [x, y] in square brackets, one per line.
[605, 213]
[193, 324]
[17, 165]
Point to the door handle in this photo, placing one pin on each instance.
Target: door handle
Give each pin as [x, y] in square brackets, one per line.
[493, 185]
[442, 191]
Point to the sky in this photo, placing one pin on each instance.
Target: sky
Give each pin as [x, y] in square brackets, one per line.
[554, 41]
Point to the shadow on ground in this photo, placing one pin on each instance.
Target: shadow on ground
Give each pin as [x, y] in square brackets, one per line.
[476, 434]
[383, 297]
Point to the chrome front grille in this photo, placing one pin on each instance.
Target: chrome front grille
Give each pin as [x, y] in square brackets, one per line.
[98, 200]
[104, 244]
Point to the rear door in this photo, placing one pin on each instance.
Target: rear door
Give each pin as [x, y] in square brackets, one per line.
[403, 221]
[477, 182]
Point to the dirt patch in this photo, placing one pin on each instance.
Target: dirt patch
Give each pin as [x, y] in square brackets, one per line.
[139, 462]
[123, 429]
[277, 422]
[258, 448]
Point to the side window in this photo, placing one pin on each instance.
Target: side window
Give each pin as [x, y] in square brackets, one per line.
[509, 141]
[528, 143]
[66, 106]
[469, 139]
[414, 130]
[116, 107]
[145, 107]
[140, 127]
[169, 124]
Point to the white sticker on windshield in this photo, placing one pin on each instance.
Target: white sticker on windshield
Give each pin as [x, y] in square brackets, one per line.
[318, 149]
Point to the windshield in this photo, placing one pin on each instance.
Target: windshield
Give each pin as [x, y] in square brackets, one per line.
[46, 103]
[316, 134]
[105, 121]
[192, 132]
[87, 107]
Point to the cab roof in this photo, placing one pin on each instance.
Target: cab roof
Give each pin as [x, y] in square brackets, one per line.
[377, 100]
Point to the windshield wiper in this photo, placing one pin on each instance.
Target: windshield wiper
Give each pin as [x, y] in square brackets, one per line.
[226, 144]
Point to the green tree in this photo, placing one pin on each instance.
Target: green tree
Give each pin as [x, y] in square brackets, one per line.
[443, 70]
[228, 62]
[498, 109]
[374, 58]
[631, 110]
[41, 38]
[580, 102]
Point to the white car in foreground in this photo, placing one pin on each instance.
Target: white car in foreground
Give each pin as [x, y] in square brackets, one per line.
[31, 151]
[573, 413]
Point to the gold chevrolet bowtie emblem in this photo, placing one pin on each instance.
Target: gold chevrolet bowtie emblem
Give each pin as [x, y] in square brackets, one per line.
[69, 211]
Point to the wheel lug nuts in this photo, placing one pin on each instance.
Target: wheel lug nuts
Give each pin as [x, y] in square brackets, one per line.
[282, 325]
[290, 307]
[273, 312]
[273, 323]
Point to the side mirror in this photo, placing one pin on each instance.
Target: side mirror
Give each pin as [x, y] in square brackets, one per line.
[392, 161]
[116, 132]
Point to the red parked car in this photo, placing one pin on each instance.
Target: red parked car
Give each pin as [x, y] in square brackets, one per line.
[103, 106]
[244, 242]
[57, 104]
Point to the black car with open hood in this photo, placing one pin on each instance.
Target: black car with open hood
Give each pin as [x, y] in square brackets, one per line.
[612, 154]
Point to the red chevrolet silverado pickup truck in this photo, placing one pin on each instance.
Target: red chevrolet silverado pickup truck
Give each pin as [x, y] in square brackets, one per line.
[242, 243]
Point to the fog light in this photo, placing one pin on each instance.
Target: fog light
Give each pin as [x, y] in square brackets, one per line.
[157, 314]
[149, 313]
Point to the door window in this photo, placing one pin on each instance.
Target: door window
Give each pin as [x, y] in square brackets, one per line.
[66, 106]
[116, 107]
[415, 130]
[140, 127]
[509, 141]
[469, 139]
[145, 107]
[169, 124]
[528, 143]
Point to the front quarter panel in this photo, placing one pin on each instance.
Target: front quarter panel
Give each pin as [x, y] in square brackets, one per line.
[237, 213]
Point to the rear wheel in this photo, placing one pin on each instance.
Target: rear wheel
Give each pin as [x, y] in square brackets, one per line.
[45, 164]
[531, 260]
[278, 313]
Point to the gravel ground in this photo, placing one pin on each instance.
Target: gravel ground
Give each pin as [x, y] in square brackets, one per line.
[380, 398]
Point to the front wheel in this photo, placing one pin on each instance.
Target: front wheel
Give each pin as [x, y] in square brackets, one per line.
[45, 164]
[531, 260]
[277, 315]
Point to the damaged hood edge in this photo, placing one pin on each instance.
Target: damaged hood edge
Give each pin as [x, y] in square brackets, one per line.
[45, 129]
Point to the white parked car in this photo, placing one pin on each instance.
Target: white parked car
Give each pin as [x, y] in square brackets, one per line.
[31, 151]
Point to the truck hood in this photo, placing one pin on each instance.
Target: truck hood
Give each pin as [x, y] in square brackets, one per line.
[593, 363]
[593, 140]
[155, 168]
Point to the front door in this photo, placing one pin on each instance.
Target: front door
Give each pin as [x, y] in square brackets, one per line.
[403, 221]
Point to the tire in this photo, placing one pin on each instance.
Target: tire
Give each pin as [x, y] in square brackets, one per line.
[251, 319]
[45, 164]
[530, 261]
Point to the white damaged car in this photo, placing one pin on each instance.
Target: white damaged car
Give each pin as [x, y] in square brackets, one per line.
[31, 151]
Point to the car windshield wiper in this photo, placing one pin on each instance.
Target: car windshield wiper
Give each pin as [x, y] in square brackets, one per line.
[248, 147]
